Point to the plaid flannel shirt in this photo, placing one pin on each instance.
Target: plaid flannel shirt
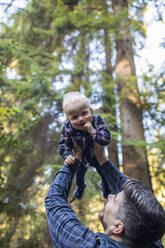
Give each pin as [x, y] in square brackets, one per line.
[84, 140]
[65, 229]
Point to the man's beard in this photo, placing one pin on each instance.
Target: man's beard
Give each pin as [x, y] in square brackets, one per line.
[101, 217]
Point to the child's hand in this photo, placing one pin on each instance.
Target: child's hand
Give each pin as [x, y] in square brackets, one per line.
[88, 127]
[69, 160]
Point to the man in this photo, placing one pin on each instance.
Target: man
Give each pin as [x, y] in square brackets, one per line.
[132, 217]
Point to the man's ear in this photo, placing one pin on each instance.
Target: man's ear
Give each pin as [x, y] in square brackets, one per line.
[117, 228]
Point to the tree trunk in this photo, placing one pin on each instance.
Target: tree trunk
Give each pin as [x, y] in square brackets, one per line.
[135, 162]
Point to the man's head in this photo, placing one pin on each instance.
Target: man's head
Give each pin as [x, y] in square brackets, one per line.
[109, 216]
[134, 215]
[77, 109]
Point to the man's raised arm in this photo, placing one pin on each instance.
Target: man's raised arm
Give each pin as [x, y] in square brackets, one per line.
[108, 171]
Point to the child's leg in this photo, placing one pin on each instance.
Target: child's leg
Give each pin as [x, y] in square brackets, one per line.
[103, 184]
[80, 174]
[80, 182]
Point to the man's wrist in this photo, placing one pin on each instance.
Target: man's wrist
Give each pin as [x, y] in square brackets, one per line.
[102, 161]
[99, 153]
[77, 161]
[74, 166]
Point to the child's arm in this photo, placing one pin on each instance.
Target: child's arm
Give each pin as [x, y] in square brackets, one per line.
[101, 133]
[66, 146]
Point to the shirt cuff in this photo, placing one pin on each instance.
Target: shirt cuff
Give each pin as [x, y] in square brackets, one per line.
[72, 167]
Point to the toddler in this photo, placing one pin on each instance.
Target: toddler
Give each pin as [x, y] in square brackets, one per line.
[85, 128]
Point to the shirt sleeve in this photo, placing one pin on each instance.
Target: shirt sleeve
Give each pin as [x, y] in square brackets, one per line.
[115, 180]
[157, 244]
[65, 143]
[65, 229]
[101, 133]
[113, 177]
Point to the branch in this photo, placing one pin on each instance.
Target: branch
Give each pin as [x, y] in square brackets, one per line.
[8, 5]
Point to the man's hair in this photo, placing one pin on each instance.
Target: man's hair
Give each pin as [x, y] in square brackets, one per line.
[142, 215]
[73, 97]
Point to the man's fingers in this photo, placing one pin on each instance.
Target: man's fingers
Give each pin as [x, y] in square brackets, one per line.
[98, 148]
[75, 146]
[72, 159]
[69, 160]
[76, 150]
[99, 153]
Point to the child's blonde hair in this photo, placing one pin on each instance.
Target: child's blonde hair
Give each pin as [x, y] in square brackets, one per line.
[72, 98]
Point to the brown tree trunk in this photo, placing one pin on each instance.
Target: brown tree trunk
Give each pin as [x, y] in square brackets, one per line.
[135, 162]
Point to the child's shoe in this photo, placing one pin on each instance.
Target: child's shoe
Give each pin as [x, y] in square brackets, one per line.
[78, 193]
[105, 190]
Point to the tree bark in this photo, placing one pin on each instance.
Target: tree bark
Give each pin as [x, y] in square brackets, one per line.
[135, 162]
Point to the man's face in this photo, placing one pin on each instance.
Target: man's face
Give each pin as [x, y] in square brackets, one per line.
[111, 206]
[78, 114]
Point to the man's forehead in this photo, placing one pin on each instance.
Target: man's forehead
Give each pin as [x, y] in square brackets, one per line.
[120, 195]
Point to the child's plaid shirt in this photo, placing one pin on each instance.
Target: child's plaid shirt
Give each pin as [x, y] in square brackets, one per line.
[84, 140]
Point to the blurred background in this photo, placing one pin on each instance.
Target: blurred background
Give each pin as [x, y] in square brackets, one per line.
[112, 51]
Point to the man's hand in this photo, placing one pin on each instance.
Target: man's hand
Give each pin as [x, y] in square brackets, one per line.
[76, 150]
[69, 160]
[88, 127]
[99, 153]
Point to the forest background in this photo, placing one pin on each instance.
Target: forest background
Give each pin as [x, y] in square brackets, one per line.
[48, 48]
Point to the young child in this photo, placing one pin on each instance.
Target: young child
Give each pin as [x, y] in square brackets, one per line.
[85, 128]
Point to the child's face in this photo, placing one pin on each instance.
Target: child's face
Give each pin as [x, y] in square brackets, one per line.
[78, 115]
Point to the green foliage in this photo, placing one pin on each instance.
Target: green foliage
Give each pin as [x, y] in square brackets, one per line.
[62, 20]
[134, 143]
[47, 50]
[7, 49]
[7, 112]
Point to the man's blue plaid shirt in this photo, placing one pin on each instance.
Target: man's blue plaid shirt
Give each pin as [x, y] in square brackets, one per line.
[65, 229]
[84, 140]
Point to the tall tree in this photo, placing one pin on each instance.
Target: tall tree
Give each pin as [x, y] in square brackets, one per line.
[134, 156]
[52, 47]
